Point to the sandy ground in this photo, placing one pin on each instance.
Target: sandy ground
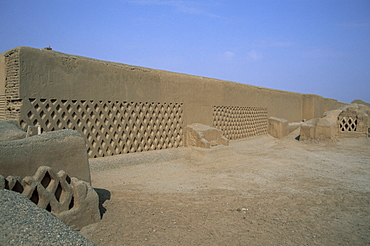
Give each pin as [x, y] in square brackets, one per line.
[259, 191]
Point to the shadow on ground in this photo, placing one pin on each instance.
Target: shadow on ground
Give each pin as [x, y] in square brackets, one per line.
[104, 195]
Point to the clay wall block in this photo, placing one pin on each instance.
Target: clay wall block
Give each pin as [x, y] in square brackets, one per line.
[319, 129]
[307, 131]
[278, 128]
[325, 128]
[203, 136]
[61, 150]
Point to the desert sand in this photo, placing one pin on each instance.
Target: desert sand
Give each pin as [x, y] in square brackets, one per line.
[257, 191]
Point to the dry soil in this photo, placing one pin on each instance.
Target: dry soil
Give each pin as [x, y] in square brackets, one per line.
[259, 191]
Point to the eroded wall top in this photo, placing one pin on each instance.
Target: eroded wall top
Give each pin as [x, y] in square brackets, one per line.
[50, 74]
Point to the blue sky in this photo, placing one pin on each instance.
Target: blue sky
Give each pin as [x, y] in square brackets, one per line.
[309, 46]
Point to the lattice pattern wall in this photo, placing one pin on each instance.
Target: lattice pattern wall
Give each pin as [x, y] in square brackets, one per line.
[47, 189]
[71, 200]
[110, 127]
[240, 122]
[347, 124]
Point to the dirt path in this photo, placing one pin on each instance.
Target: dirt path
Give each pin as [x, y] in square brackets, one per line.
[259, 191]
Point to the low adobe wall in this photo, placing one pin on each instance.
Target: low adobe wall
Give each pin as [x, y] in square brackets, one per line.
[121, 108]
[61, 150]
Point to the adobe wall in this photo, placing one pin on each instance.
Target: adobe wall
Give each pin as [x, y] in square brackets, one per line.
[2, 87]
[145, 108]
[61, 150]
[314, 106]
[50, 74]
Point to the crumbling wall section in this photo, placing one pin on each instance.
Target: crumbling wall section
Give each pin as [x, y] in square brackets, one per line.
[61, 150]
[72, 200]
[354, 121]
[199, 135]
[349, 121]
[11, 100]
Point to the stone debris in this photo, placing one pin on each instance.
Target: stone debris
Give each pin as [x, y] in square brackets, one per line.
[244, 210]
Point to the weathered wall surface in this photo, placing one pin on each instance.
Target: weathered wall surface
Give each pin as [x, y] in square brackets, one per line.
[314, 106]
[121, 108]
[2, 87]
[61, 150]
[9, 81]
[49, 74]
[70, 199]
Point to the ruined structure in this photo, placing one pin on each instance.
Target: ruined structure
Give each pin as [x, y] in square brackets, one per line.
[61, 150]
[72, 200]
[348, 121]
[23, 161]
[121, 109]
[354, 121]
[90, 108]
[203, 136]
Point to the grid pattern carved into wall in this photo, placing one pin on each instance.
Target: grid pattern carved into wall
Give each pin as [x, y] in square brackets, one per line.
[240, 122]
[347, 124]
[110, 127]
[47, 189]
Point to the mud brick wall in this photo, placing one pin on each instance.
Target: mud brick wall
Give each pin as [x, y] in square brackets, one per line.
[10, 102]
[110, 128]
[240, 122]
[123, 109]
[314, 106]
